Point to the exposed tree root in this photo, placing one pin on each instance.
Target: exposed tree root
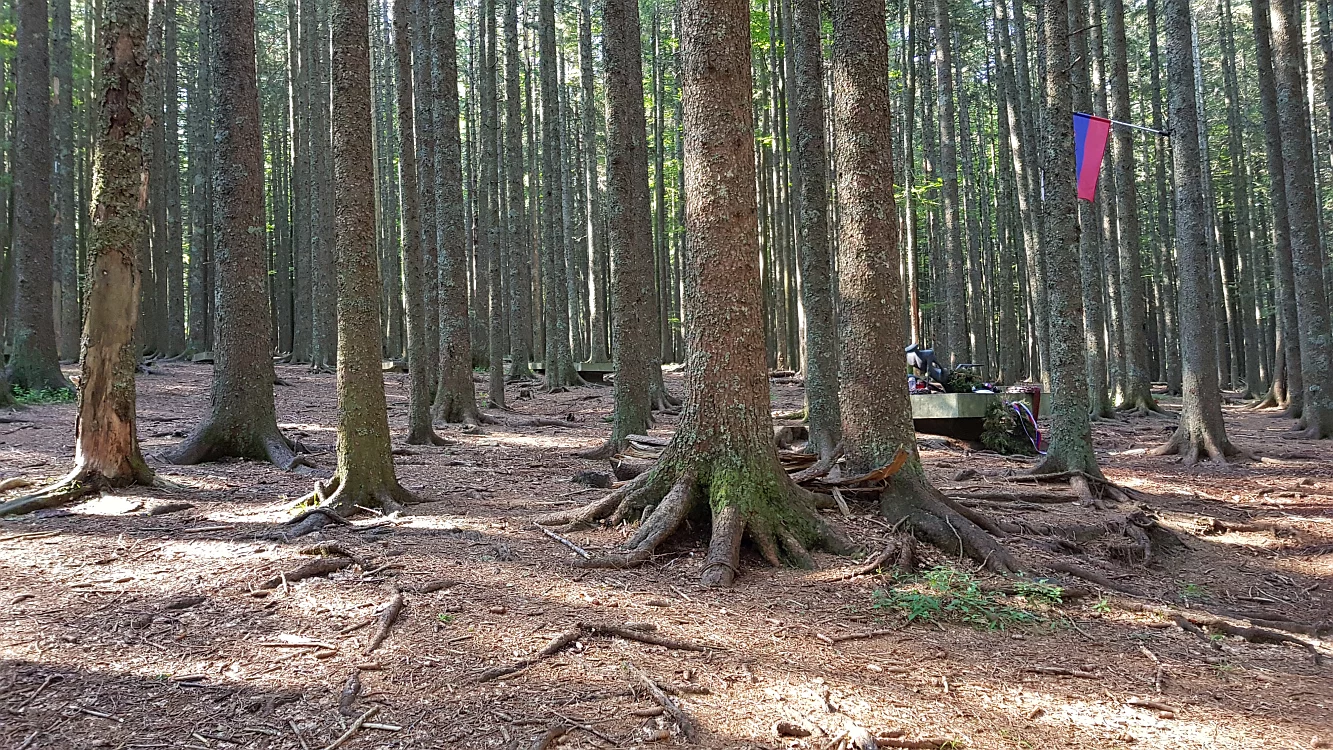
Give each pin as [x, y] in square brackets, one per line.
[659, 397]
[1090, 576]
[1268, 401]
[1144, 406]
[313, 569]
[800, 415]
[343, 499]
[677, 715]
[426, 436]
[1194, 448]
[820, 468]
[79, 483]
[310, 521]
[910, 500]
[625, 468]
[778, 517]
[898, 555]
[1253, 635]
[203, 446]
[15, 483]
[1306, 432]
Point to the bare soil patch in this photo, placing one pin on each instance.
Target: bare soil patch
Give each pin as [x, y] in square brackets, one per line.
[126, 627]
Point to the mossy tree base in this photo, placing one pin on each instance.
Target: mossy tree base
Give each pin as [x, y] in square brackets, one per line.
[744, 500]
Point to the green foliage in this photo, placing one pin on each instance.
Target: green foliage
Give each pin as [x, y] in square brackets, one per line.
[445, 618]
[44, 396]
[961, 381]
[948, 594]
[1003, 433]
[1195, 591]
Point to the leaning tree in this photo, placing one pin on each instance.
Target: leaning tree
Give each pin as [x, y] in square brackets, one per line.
[722, 457]
[243, 420]
[106, 452]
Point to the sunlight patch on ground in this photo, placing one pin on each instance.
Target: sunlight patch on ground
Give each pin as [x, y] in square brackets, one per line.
[531, 441]
[306, 427]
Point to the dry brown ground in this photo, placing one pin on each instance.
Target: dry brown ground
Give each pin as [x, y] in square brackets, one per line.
[94, 656]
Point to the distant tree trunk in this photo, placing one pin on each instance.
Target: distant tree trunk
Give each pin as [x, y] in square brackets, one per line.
[365, 474]
[62, 174]
[1312, 315]
[811, 169]
[243, 420]
[1284, 280]
[424, 80]
[597, 242]
[323, 292]
[1170, 310]
[201, 212]
[33, 363]
[629, 224]
[1240, 199]
[1137, 379]
[175, 288]
[106, 452]
[298, 67]
[722, 460]
[956, 349]
[456, 396]
[1201, 433]
[979, 311]
[154, 334]
[518, 227]
[1070, 432]
[558, 360]
[1092, 277]
[491, 156]
[419, 428]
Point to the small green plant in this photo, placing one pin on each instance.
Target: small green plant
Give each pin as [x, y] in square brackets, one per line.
[44, 396]
[1195, 591]
[445, 618]
[949, 594]
[1103, 606]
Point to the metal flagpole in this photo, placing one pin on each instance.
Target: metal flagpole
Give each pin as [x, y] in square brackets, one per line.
[1163, 133]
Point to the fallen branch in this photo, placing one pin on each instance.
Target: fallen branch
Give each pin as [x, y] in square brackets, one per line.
[929, 743]
[581, 552]
[1063, 671]
[677, 715]
[352, 729]
[1090, 576]
[351, 690]
[1258, 635]
[387, 618]
[320, 567]
[641, 634]
[549, 737]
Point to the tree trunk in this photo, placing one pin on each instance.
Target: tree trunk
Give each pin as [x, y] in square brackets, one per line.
[455, 395]
[1312, 316]
[1070, 432]
[33, 363]
[106, 450]
[365, 475]
[629, 224]
[517, 246]
[201, 212]
[1137, 379]
[956, 349]
[243, 420]
[597, 323]
[722, 459]
[491, 156]
[1170, 310]
[62, 175]
[419, 428]
[558, 359]
[1201, 432]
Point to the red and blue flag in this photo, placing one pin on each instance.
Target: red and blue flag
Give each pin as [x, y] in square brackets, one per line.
[1090, 134]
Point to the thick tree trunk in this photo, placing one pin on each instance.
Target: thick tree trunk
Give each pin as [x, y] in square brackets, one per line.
[171, 187]
[106, 450]
[956, 348]
[811, 170]
[33, 363]
[629, 224]
[1312, 315]
[365, 474]
[455, 396]
[1201, 432]
[1070, 432]
[243, 420]
[722, 459]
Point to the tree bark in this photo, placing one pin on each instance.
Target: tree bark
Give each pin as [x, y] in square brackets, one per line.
[243, 420]
[518, 226]
[955, 343]
[1201, 433]
[1312, 315]
[62, 175]
[106, 450]
[33, 362]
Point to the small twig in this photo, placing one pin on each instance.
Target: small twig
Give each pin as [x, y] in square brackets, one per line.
[318, 567]
[296, 731]
[98, 714]
[549, 737]
[581, 552]
[49, 679]
[387, 618]
[29, 535]
[862, 636]
[1154, 705]
[1063, 671]
[677, 715]
[352, 729]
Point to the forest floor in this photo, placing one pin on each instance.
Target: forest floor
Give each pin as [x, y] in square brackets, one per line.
[129, 630]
